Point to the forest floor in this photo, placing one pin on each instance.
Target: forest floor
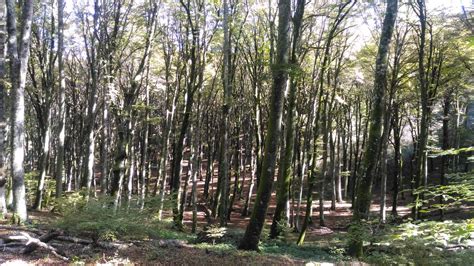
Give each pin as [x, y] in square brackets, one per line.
[180, 252]
[323, 245]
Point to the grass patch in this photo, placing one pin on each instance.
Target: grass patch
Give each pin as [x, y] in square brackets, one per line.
[307, 252]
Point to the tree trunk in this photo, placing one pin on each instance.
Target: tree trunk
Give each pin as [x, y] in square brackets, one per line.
[144, 151]
[60, 172]
[226, 107]
[19, 56]
[374, 143]
[286, 170]
[280, 77]
[332, 169]
[397, 159]
[3, 96]
[337, 170]
[445, 143]
[383, 184]
[43, 160]
[253, 174]
[105, 146]
[189, 100]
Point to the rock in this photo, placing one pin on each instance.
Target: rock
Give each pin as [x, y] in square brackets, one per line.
[172, 243]
[470, 244]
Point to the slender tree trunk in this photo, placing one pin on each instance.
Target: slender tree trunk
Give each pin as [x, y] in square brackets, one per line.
[445, 143]
[131, 170]
[209, 168]
[193, 164]
[105, 146]
[235, 189]
[383, 185]
[189, 100]
[332, 168]
[226, 109]
[168, 126]
[43, 161]
[253, 174]
[60, 172]
[144, 151]
[426, 97]
[397, 184]
[337, 170]
[3, 96]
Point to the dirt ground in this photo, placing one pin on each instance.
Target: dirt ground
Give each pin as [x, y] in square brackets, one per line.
[149, 252]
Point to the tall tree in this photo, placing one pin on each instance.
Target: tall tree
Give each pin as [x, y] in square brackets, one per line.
[60, 173]
[343, 10]
[430, 61]
[272, 141]
[93, 65]
[374, 142]
[3, 176]
[19, 55]
[286, 170]
[192, 85]
[226, 108]
[41, 69]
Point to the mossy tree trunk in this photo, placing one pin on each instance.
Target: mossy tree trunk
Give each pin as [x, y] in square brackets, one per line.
[280, 77]
[286, 169]
[374, 142]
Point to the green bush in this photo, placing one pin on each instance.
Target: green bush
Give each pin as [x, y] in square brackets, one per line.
[98, 219]
[422, 243]
[31, 184]
[459, 191]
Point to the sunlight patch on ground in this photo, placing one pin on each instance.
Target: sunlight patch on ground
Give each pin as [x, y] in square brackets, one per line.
[15, 262]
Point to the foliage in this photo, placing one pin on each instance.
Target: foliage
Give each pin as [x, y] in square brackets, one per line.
[460, 190]
[211, 234]
[31, 184]
[421, 243]
[437, 153]
[306, 252]
[362, 231]
[97, 218]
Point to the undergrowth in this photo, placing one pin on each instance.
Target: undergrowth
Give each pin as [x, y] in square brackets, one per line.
[424, 243]
[98, 219]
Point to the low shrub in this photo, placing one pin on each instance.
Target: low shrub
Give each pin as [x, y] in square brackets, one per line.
[98, 219]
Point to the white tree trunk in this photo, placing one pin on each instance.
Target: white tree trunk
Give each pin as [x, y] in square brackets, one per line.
[60, 173]
[3, 178]
[19, 55]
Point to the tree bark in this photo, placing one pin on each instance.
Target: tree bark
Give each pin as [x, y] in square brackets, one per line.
[19, 56]
[280, 77]
[3, 96]
[226, 108]
[60, 172]
[374, 143]
[286, 170]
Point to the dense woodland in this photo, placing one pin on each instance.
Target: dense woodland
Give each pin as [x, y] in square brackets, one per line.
[244, 124]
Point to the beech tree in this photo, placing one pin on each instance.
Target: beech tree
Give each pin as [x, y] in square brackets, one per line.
[19, 55]
[3, 122]
[374, 142]
[272, 139]
[137, 115]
